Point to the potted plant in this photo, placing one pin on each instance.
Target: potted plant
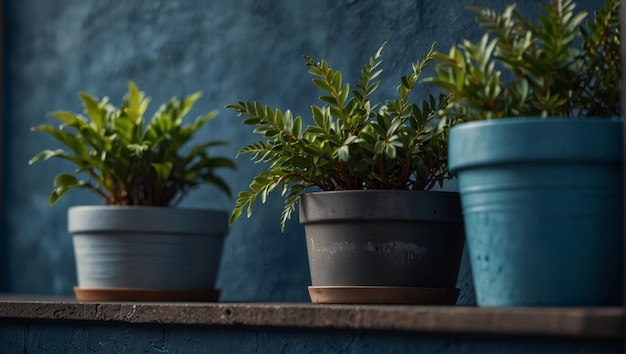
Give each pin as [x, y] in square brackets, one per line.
[374, 233]
[542, 191]
[137, 246]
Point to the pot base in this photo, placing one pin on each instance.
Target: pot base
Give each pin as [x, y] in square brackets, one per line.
[123, 294]
[382, 295]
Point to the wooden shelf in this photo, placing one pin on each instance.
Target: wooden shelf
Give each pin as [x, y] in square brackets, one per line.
[552, 322]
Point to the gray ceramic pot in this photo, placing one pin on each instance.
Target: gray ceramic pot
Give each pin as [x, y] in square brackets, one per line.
[168, 249]
[383, 238]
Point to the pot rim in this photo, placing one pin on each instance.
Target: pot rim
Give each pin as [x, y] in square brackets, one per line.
[538, 120]
[382, 191]
[369, 205]
[104, 218]
[531, 140]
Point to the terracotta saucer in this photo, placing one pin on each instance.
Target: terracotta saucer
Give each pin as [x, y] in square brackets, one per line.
[382, 295]
[123, 294]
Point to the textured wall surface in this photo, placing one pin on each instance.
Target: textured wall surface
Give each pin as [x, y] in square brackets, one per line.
[82, 337]
[231, 50]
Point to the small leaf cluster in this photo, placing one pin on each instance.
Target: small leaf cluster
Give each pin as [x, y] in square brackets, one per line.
[128, 162]
[555, 66]
[353, 143]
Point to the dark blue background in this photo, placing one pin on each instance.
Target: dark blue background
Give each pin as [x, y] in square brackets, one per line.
[231, 50]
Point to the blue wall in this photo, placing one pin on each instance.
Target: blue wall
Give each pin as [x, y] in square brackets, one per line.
[230, 49]
[86, 336]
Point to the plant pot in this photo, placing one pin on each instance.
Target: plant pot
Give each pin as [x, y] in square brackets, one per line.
[398, 246]
[543, 208]
[146, 253]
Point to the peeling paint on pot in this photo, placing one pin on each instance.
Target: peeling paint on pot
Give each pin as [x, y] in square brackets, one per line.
[403, 252]
[383, 238]
[339, 247]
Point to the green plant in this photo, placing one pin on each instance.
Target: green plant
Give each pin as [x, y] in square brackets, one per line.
[353, 144]
[555, 66]
[127, 161]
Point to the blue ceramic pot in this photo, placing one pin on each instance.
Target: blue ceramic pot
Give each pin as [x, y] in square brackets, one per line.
[542, 203]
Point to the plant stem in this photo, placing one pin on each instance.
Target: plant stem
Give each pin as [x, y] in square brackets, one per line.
[100, 194]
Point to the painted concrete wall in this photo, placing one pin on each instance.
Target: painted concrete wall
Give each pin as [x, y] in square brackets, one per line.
[230, 49]
[84, 337]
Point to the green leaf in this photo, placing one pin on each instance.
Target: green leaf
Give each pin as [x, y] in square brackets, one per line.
[67, 139]
[390, 151]
[291, 199]
[318, 117]
[244, 198]
[343, 153]
[344, 94]
[70, 119]
[299, 162]
[313, 150]
[129, 163]
[45, 155]
[297, 127]
[162, 170]
[93, 109]
[63, 183]
[379, 148]
[66, 180]
[322, 85]
[218, 182]
[329, 100]
[337, 81]
[353, 142]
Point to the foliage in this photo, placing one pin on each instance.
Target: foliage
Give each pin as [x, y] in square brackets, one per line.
[353, 144]
[127, 161]
[555, 66]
